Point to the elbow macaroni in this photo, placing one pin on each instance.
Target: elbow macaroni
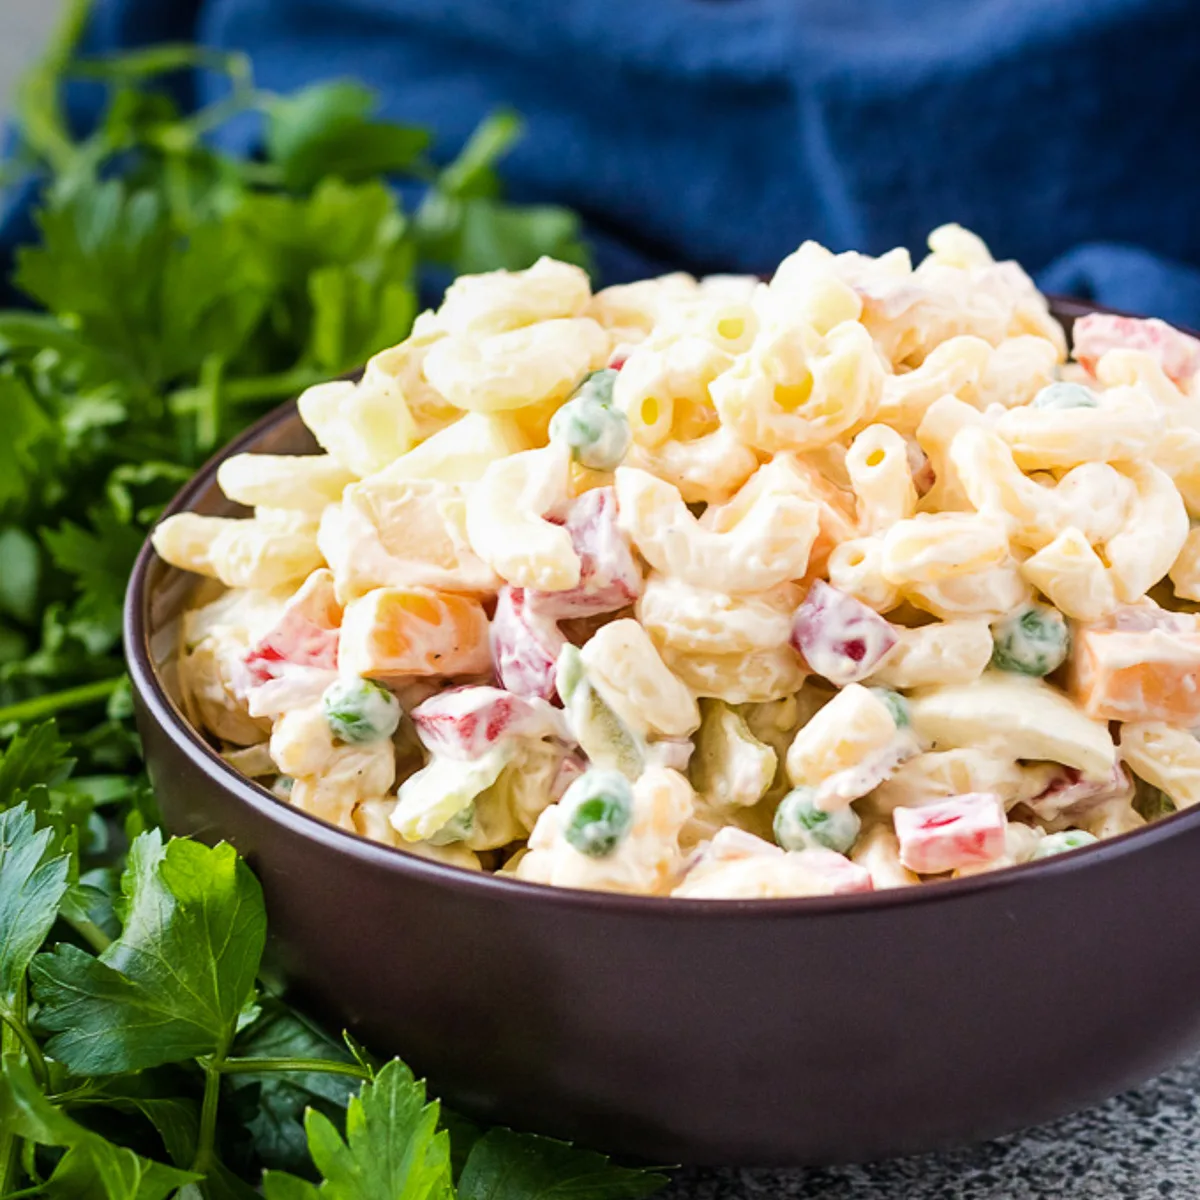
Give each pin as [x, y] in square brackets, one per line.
[1164, 756]
[877, 463]
[849, 562]
[766, 545]
[507, 526]
[518, 368]
[796, 390]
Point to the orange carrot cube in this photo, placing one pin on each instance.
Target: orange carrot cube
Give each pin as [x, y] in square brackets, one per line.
[391, 633]
[1141, 664]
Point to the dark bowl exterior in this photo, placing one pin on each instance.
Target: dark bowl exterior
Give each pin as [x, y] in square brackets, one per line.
[776, 1032]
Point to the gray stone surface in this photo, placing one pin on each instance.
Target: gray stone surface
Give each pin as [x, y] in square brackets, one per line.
[1143, 1145]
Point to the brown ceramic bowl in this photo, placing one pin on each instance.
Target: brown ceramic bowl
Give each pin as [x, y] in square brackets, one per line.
[765, 1032]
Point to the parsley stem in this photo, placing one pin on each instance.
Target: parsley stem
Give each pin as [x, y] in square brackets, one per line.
[240, 100]
[271, 387]
[283, 383]
[250, 390]
[38, 1189]
[14, 1036]
[33, 1051]
[91, 933]
[83, 1094]
[10, 1162]
[45, 127]
[52, 702]
[10, 1144]
[207, 1139]
[257, 1066]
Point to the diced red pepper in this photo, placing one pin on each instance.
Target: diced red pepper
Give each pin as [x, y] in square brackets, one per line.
[306, 634]
[839, 637]
[1098, 333]
[467, 722]
[609, 576]
[525, 645]
[965, 831]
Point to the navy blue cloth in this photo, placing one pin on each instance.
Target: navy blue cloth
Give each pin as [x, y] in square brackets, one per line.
[717, 134]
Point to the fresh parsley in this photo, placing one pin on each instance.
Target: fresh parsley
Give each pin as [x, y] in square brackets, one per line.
[392, 1147]
[167, 1029]
[174, 292]
[173, 984]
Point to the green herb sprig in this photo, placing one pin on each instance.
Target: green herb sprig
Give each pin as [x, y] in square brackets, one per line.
[181, 292]
[177, 292]
[142, 1033]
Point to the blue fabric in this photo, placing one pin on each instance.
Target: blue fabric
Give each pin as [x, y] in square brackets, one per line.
[717, 134]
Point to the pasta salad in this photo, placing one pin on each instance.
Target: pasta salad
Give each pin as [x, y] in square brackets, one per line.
[719, 588]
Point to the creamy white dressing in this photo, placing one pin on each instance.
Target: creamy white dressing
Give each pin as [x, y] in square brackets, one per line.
[701, 539]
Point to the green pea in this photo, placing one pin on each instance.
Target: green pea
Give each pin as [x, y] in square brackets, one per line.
[596, 433]
[598, 812]
[596, 385]
[801, 825]
[1065, 395]
[1034, 640]
[1060, 843]
[896, 704]
[360, 710]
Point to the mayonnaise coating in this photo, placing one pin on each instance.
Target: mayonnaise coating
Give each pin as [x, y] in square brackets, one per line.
[721, 589]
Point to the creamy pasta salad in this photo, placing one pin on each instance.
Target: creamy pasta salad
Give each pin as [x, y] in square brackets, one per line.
[722, 589]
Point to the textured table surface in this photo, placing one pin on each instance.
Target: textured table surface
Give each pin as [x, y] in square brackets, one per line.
[1141, 1146]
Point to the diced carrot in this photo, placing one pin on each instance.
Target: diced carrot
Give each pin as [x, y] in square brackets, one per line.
[1150, 672]
[397, 632]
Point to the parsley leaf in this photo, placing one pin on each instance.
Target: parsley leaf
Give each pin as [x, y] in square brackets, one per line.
[20, 569]
[93, 1167]
[28, 432]
[172, 985]
[32, 885]
[327, 131]
[101, 262]
[99, 559]
[393, 1149]
[504, 1165]
[176, 1119]
[272, 1104]
[35, 761]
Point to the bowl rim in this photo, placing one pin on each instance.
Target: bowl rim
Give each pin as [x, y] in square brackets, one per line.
[163, 710]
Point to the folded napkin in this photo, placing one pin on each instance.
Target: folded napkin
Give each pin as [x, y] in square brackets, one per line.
[718, 134]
